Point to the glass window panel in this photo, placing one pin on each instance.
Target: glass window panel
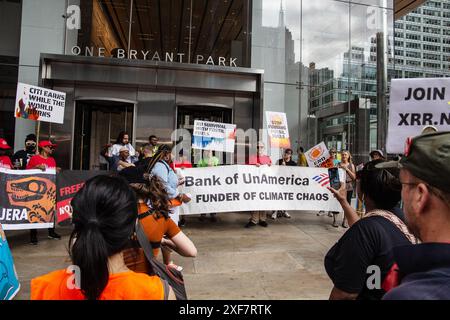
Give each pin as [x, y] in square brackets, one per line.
[214, 32]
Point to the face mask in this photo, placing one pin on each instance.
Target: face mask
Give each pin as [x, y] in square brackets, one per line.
[31, 149]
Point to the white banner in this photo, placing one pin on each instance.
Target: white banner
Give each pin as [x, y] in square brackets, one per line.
[39, 104]
[250, 188]
[415, 104]
[277, 128]
[214, 136]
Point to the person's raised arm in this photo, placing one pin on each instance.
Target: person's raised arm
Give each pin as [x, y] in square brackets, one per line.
[341, 197]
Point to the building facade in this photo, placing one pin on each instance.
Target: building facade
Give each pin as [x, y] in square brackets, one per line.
[149, 67]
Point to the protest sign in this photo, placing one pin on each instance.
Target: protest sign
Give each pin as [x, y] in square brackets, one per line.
[214, 136]
[277, 128]
[27, 199]
[39, 104]
[68, 183]
[250, 188]
[415, 104]
[9, 282]
[319, 156]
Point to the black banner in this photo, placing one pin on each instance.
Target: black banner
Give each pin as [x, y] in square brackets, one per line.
[68, 183]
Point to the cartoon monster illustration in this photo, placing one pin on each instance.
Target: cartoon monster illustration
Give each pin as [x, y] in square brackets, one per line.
[36, 194]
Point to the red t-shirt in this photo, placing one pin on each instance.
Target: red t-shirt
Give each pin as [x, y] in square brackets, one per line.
[254, 159]
[36, 160]
[5, 162]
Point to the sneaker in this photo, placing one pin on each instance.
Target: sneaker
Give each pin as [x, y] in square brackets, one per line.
[344, 225]
[54, 235]
[174, 266]
[274, 215]
[263, 224]
[321, 213]
[250, 224]
[286, 215]
[182, 222]
[34, 242]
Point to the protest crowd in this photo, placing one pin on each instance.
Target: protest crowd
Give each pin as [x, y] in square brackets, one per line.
[395, 210]
[397, 213]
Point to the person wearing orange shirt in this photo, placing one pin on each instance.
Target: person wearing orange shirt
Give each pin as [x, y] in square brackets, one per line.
[104, 218]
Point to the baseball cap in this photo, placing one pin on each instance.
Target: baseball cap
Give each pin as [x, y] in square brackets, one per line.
[46, 143]
[4, 145]
[427, 157]
[379, 151]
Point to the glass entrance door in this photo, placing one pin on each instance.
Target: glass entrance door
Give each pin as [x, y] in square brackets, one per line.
[186, 116]
[98, 123]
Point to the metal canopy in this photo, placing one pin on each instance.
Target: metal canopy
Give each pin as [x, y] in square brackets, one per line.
[145, 73]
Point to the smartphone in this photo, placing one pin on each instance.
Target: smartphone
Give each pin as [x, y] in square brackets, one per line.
[333, 174]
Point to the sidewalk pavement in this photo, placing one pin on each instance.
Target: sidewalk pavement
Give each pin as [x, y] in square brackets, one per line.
[283, 261]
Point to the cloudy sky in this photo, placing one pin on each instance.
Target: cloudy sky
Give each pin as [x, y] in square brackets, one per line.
[326, 25]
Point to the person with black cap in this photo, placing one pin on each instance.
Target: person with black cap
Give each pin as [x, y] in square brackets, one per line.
[22, 157]
[424, 269]
[43, 161]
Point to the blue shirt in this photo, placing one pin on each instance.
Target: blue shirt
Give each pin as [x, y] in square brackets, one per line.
[168, 177]
[426, 272]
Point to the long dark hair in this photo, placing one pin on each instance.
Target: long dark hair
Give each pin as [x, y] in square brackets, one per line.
[157, 194]
[104, 216]
[162, 151]
[120, 137]
[382, 186]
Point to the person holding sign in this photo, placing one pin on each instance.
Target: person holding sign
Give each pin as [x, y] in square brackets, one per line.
[43, 161]
[5, 161]
[208, 160]
[285, 161]
[260, 159]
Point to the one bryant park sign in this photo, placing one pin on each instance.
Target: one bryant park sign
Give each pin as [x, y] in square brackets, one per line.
[152, 56]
